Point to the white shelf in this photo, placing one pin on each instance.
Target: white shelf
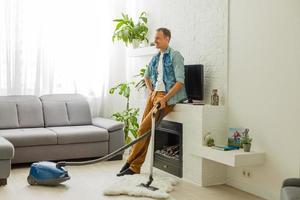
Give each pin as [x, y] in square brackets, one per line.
[144, 51]
[234, 158]
[190, 107]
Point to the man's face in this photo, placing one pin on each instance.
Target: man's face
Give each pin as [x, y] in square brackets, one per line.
[161, 41]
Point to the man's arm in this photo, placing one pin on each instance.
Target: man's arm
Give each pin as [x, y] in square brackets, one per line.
[177, 86]
[149, 85]
[147, 79]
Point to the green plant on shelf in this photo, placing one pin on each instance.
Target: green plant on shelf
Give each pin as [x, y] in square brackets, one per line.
[245, 139]
[129, 32]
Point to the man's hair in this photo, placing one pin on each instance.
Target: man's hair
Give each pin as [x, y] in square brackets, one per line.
[165, 31]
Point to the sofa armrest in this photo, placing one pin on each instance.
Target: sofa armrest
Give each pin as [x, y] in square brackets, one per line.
[108, 124]
[6, 149]
[115, 130]
[291, 182]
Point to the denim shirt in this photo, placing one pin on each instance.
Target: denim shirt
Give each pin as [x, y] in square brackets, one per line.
[173, 71]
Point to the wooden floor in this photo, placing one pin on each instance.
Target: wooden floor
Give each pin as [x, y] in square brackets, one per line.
[87, 183]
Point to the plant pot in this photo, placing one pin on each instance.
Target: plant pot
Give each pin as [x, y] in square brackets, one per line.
[144, 44]
[247, 147]
[135, 43]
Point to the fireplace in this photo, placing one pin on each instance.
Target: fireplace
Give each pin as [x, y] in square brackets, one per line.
[168, 147]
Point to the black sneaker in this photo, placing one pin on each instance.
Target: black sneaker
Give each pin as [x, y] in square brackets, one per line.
[126, 166]
[126, 172]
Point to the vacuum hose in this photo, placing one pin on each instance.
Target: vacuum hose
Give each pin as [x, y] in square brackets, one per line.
[65, 163]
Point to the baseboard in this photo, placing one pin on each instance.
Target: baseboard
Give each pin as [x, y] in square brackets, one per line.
[253, 189]
[117, 157]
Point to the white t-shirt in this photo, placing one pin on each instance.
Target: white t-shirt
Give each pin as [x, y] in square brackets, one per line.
[160, 86]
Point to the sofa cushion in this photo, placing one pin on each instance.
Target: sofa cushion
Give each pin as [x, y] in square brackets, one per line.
[8, 115]
[79, 113]
[109, 124]
[29, 136]
[79, 134]
[30, 114]
[24, 111]
[73, 109]
[55, 114]
[6, 149]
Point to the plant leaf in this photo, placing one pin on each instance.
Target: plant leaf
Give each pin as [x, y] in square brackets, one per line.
[119, 25]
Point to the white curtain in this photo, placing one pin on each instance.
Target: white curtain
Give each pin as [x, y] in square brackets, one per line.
[55, 46]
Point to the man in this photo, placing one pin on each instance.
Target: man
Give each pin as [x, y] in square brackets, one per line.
[164, 78]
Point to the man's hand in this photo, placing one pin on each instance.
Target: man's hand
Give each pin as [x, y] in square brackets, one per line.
[162, 102]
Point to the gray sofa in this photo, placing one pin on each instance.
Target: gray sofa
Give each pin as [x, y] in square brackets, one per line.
[290, 189]
[53, 127]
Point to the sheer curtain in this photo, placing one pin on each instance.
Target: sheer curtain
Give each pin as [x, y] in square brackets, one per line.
[55, 46]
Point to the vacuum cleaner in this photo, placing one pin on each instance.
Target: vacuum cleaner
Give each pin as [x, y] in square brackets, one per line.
[50, 173]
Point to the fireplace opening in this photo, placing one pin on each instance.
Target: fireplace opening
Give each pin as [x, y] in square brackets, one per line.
[168, 147]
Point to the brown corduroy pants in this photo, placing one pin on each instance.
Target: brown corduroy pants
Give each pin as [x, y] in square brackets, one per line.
[139, 150]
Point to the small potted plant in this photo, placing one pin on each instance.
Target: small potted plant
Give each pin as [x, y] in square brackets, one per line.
[209, 140]
[246, 140]
[129, 32]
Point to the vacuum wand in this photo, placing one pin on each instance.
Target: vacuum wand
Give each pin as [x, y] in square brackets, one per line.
[148, 184]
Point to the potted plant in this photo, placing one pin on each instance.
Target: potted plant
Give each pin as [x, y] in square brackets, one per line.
[129, 115]
[209, 140]
[246, 140]
[129, 32]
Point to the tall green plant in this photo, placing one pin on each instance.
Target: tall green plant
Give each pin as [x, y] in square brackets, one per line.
[127, 31]
[129, 115]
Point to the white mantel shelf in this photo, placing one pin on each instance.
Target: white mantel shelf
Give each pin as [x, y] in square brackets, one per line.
[234, 158]
[144, 51]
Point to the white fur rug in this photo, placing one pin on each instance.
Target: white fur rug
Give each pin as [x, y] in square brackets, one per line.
[128, 185]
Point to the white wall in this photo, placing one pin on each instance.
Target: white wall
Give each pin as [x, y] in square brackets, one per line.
[264, 79]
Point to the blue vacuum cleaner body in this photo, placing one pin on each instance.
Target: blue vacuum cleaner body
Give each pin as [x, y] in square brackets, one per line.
[47, 173]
